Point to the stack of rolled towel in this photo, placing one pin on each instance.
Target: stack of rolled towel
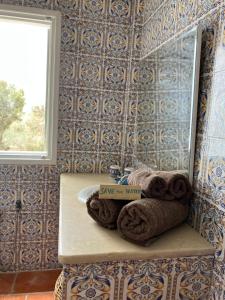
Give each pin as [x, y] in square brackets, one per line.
[164, 205]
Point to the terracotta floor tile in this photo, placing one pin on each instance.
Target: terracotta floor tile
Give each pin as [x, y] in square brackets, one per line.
[12, 297]
[42, 296]
[30, 282]
[6, 281]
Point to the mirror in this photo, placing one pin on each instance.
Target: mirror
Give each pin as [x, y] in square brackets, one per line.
[167, 104]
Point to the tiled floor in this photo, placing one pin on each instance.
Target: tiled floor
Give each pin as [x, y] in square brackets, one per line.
[27, 283]
[36, 296]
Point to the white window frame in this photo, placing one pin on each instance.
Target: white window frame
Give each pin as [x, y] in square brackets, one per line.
[52, 18]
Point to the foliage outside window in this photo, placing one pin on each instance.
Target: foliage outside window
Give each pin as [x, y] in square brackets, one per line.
[29, 59]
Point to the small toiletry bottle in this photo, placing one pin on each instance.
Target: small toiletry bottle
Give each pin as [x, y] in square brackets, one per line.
[114, 171]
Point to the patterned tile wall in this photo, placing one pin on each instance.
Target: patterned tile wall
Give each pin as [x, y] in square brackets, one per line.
[100, 45]
[164, 89]
[95, 128]
[208, 209]
[166, 279]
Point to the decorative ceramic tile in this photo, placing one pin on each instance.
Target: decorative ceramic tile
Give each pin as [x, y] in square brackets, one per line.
[146, 137]
[65, 135]
[32, 173]
[8, 256]
[130, 139]
[150, 7]
[85, 162]
[30, 255]
[170, 52]
[112, 106]
[8, 196]
[216, 173]
[117, 41]
[186, 75]
[67, 70]
[132, 107]
[50, 256]
[128, 161]
[51, 226]
[12, 2]
[169, 160]
[204, 6]
[8, 223]
[108, 159]
[143, 76]
[87, 105]
[37, 3]
[111, 137]
[168, 106]
[184, 105]
[168, 135]
[31, 227]
[150, 158]
[186, 13]
[143, 280]
[217, 290]
[147, 107]
[52, 196]
[193, 278]
[212, 227]
[86, 136]
[119, 11]
[64, 161]
[137, 42]
[90, 72]
[70, 7]
[69, 34]
[140, 11]
[94, 9]
[168, 278]
[8, 173]
[32, 196]
[168, 18]
[66, 103]
[168, 75]
[115, 74]
[91, 38]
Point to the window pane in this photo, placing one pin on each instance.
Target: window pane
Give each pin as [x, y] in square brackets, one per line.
[23, 72]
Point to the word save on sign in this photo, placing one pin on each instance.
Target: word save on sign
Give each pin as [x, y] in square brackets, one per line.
[119, 192]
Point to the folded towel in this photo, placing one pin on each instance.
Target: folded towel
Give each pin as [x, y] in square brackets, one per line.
[166, 185]
[105, 212]
[137, 177]
[179, 186]
[141, 221]
[154, 186]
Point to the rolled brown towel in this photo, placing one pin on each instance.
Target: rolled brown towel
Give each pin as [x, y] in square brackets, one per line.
[141, 221]
[104, 211]
[179, 186]
[154, 186]
[137, 176]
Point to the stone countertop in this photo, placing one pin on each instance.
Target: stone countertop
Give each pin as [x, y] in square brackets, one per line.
[81, 240]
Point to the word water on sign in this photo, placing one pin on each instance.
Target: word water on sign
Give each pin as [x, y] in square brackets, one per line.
[119, 192]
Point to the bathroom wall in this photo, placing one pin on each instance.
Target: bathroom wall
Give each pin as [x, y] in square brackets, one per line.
[208, 210]
[100, 50]
[95, 128]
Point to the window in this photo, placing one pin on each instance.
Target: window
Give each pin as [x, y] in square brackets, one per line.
[29, 75]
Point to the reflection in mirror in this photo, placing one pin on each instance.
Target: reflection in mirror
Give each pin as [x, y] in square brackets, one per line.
[167, 104]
